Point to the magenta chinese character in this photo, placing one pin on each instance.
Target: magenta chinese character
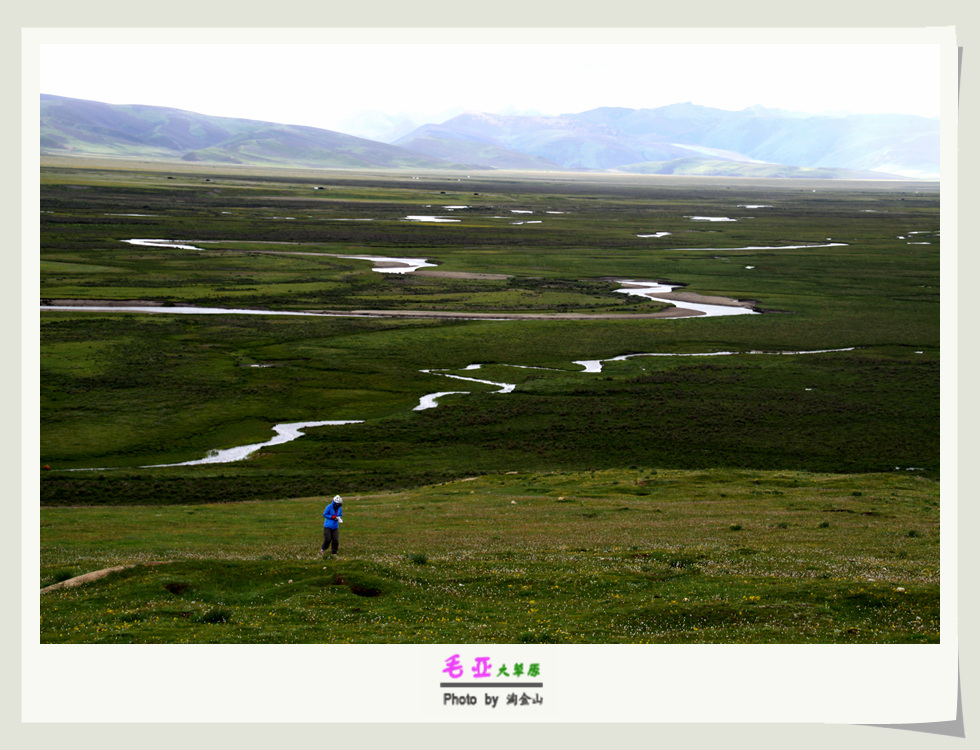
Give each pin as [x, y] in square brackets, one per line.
[453, 668]
[482, 667]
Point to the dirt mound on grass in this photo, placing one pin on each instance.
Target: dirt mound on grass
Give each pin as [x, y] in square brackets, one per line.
[93, 576]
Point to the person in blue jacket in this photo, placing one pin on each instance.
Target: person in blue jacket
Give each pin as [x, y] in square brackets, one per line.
[332, 518]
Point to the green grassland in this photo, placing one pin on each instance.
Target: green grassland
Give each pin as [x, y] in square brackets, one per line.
[120, 391]
[618, 556]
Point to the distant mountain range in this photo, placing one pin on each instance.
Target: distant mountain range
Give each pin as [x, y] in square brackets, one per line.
[81, 127]
[686, 138]
[677, 139]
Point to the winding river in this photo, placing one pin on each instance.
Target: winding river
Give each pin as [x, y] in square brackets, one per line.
[288, 431]
[654, 290]
[285, 432]
[384, 264]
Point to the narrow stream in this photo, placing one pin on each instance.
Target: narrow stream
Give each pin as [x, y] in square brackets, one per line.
[285, 432]
[288, 431]
[178, 310]
[653, 290]
[595, 365]
[382, 263]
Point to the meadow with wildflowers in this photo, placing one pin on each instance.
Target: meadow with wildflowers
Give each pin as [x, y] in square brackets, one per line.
[614, 556]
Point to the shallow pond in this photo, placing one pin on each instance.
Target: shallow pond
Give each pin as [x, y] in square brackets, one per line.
[434, 219]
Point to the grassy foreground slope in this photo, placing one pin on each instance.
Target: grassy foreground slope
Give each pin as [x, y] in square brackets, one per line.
[595, 557]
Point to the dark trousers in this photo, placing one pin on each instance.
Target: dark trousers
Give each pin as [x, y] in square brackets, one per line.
[331, 538]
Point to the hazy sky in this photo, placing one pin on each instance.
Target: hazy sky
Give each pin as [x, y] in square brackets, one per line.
[322, 85]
